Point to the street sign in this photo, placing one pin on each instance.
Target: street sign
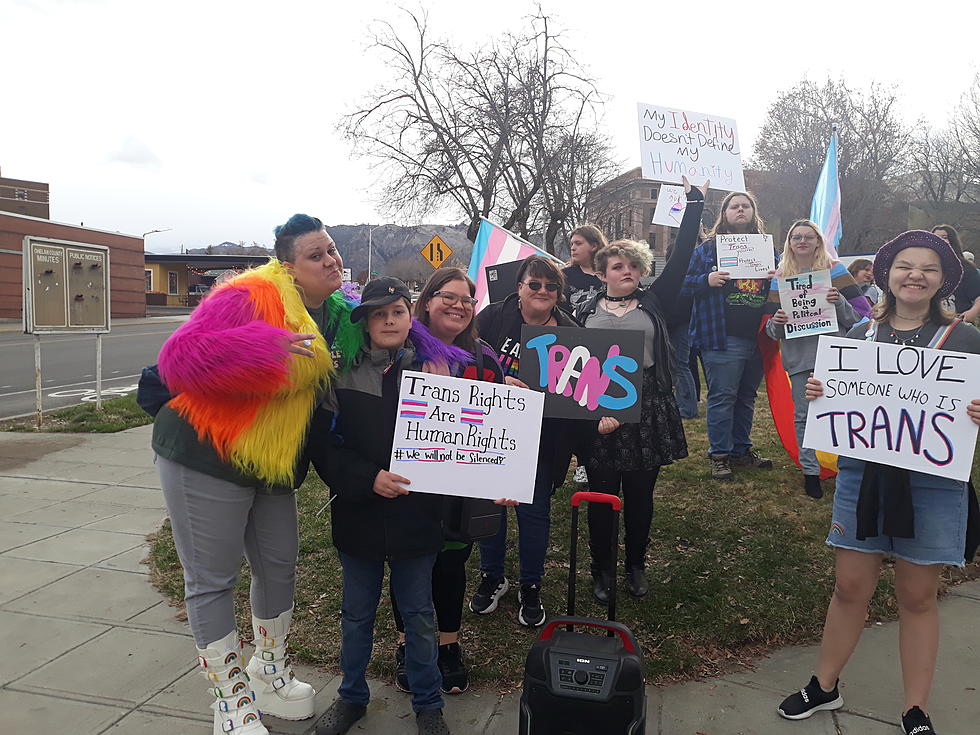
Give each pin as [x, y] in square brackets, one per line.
[66, 286]
[436, 251]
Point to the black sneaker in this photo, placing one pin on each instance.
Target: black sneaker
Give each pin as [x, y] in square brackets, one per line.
[917, 722]
[811, 486]
[430, 722]
[811, 698]
[339, 717]
[401, 678]
[455, 678]
[531, 612]
[488, 594]
[721, 468]
[751, 459]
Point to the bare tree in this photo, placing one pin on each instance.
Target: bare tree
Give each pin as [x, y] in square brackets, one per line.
[480, 132]
[873, 144]
[965, 128]
[940, 169]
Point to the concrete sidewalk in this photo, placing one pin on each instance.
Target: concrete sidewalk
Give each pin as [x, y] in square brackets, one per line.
[90, 647]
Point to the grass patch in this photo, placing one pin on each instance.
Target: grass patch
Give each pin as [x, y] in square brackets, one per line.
[117, 414]
[736, 570]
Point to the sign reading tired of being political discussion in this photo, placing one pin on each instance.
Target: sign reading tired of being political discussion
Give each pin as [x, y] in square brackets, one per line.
[804, 299]
[676, 143]
[584, 373]
[467, 438]
[898, 405]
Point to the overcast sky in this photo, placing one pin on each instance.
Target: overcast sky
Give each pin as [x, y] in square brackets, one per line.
[218, 119]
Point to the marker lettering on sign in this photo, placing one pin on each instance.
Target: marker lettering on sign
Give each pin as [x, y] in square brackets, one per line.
[558, 365]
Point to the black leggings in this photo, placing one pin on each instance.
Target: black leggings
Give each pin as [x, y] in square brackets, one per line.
[448, 590]
[637, 491]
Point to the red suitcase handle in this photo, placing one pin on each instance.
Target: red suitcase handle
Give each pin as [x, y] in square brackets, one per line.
[614, 500]
[621, 630]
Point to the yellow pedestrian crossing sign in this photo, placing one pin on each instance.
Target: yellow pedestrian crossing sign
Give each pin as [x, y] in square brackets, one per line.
[436, 251]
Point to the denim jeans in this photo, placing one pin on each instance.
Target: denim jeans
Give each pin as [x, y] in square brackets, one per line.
[412, 582]
[808, 457]
[533, 528]
[733, 378]
[687, 402]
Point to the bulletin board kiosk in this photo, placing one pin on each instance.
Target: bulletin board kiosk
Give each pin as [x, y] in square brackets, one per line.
[66, 290]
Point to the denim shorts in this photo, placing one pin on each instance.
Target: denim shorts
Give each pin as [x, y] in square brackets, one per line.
[940, 506]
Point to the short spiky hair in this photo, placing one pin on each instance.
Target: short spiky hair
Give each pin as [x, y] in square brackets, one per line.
[296, 226]
[636, 252]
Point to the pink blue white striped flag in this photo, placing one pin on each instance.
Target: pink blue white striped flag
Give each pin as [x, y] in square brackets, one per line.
[495, 245]
[825, 209]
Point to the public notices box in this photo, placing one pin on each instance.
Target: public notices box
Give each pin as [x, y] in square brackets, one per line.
[467, 438]
[66, 286]
[895, 404]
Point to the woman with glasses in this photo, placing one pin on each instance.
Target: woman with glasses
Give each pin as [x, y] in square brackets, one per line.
[540, 287]
[804, 252]
[447, 307]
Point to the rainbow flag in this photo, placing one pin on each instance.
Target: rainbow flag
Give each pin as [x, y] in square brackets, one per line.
[495, 245]
[825, 208]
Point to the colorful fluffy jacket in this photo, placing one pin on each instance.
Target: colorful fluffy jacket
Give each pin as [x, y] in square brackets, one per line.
[234, 380]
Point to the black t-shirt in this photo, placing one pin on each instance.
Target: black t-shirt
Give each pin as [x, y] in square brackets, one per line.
[744, 301]
[580, 286]
[968, 290]
[509, 353]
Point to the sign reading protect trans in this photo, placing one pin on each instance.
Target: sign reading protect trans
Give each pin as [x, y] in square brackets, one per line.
[66, 287]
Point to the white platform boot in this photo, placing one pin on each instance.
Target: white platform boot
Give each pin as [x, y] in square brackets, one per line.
[235, 709]
[277, 690]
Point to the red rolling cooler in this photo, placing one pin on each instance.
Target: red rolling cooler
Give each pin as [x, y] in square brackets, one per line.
[581, 683]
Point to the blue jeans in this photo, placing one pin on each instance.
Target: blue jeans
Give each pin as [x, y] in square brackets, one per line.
[687, 402]
[533, 528]
[733, 378]
[412, 582]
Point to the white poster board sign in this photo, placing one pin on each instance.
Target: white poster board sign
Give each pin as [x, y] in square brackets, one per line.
[675, 143]
[804, 299]
[671, 203]
[895, 404]
[467, 438]
[745, 256]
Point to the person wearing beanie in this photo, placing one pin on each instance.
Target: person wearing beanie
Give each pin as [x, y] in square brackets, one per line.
[922, 521]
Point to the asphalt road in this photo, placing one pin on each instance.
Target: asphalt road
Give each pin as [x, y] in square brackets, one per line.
[68, 365]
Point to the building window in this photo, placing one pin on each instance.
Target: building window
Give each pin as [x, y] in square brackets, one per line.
[148, 275]
[654, 193]
[20, 194]
[172, 283]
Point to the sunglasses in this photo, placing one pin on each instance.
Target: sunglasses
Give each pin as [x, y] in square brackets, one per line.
[550, 286]
[451, 299]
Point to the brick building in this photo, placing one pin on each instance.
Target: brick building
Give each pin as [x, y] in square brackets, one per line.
[30, 198]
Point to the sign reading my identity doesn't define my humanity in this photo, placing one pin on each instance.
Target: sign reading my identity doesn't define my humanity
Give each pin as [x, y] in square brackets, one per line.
[584, 373]
[804, 299]
[467, 438]
[895, 404]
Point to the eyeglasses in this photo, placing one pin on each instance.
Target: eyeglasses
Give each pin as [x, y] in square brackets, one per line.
[451, 299]
[550, 286]
[801, 238]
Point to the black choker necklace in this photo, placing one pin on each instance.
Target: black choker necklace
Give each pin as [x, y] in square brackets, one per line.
[616, 299]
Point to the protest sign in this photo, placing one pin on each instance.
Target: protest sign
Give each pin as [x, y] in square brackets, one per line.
[675, 143]
[745, 256]
[466, 438]
[896, 405]
[501, 279]
[584, 373]
[671, 203]
[804, 299]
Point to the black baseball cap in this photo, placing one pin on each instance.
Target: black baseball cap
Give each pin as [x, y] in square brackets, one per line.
[380, 292]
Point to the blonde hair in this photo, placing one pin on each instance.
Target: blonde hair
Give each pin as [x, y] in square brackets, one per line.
[788, 264]
[637, 253]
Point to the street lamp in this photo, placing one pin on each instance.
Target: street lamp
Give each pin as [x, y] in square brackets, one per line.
[150, 232]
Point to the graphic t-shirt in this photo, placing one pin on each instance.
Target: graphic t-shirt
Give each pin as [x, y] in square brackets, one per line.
[580, 286]
[744, 299]
[509, 354]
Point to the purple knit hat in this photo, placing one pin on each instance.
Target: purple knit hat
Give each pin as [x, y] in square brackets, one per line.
[952, 265]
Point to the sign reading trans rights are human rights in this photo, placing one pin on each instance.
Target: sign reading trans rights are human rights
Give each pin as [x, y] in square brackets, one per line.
[675, 143]
[467, 438]
[895, 404]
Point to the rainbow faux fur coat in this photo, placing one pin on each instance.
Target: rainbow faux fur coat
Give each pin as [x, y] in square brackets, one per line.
[234, 379]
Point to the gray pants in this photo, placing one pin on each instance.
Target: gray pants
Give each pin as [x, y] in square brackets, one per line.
[214, 521]
[808, 457]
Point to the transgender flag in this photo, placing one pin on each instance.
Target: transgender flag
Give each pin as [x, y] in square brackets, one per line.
[495, 245]
[825, 209]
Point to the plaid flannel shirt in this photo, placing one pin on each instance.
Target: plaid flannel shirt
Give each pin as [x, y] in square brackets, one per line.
[707, 330]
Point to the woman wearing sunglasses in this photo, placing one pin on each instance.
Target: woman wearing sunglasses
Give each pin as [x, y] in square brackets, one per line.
[540, 287]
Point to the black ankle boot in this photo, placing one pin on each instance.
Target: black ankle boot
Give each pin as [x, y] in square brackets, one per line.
[636, 581]
[602, 582]
[811, 486]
